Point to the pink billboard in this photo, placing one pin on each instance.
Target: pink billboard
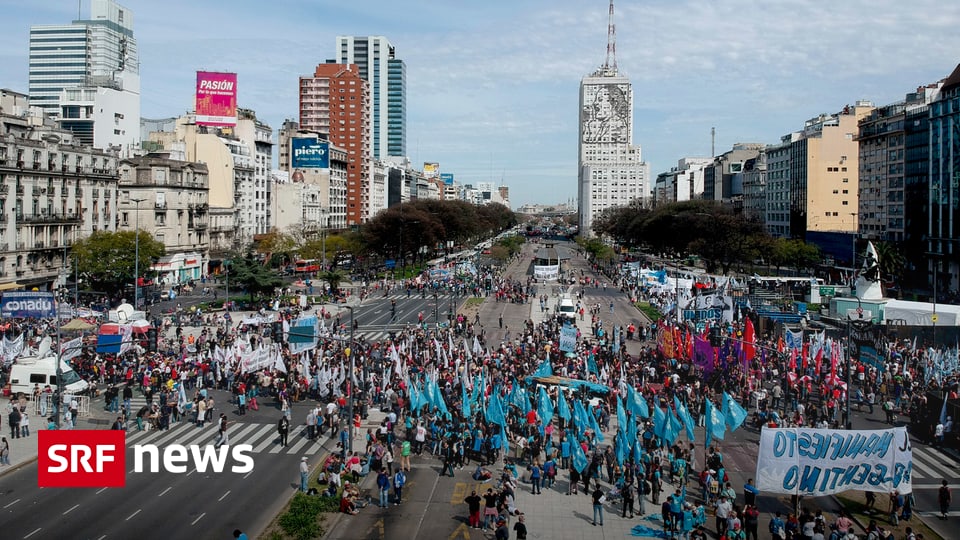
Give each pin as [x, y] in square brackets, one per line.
[216, 99]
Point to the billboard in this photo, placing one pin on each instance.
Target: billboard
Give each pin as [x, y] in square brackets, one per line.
[447, 178]
[27, 305]
[216, 99]
[307, 153]
[431, 170]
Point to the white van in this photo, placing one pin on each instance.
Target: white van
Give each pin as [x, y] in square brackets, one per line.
[28, 372]
[566, 308]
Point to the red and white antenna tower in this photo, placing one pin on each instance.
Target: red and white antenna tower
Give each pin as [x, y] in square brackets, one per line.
[611, 62]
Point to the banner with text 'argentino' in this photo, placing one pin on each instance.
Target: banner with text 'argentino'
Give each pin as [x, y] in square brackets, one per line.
[818, 462]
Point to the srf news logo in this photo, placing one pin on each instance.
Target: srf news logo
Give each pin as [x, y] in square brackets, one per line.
[91, 458]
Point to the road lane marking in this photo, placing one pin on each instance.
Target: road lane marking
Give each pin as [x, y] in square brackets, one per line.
[199, 518]
[164, 492]
[297, 445]
[11, 504]
[133, 514]
[31, 534]
[191, 472]
[71, 510]
[224, 496]
[102, 537]
[246, 475]
[101, 490]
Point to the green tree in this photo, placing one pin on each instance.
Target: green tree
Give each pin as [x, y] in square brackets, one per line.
[107, 259]
[334, 278]
[892, 261]
[256, 278]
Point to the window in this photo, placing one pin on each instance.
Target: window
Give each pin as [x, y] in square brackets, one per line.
[38, 378]
[845, 203]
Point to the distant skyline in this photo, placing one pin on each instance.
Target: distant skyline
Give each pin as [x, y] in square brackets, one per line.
[492, 87]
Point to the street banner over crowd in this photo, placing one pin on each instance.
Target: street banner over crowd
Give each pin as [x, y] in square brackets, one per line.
[814, 462]
[568, 338]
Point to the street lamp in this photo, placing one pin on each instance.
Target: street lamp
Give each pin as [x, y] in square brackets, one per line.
[324, 222]
[136, 258]
[853, 248]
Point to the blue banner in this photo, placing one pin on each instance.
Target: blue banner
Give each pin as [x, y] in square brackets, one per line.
[28, 305]
[307, 153]
[109, 344]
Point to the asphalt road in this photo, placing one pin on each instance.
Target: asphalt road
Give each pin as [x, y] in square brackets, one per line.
[166, 505]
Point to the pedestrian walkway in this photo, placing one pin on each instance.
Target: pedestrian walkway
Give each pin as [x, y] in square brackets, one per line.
[263, 437]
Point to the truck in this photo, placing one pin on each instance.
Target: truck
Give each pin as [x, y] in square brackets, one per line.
[31, 371]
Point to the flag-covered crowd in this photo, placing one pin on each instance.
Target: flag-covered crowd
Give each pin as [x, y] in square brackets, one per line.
[545, 406]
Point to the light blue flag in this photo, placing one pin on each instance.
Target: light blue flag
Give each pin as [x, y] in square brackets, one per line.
[592, 365]
[563, 410]
[505, 439]
[659, 421]
[545, 369]
[715, 423]
[671, 429]
[544, 406]
[632, 431]
[685, 417]
[735, 414]
[621, 416]
[438, 400]
[465, 398]
[637, 404]
[620, 443]
[579, 458]
[637, 452]
[580, 420]
[594, 425]
[494, 412]
[477, 388]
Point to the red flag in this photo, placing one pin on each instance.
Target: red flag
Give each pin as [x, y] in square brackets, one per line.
[780, 345]
[806, 355]
[749, 341]
[793, 359]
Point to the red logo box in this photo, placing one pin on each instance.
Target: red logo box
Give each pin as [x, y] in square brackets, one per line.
[81, 458]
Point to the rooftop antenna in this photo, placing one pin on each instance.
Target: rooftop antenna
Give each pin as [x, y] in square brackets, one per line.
[79, 9]
[610, 64]
[713, 140]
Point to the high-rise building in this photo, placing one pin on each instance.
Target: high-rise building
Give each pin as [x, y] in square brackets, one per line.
[944, 187]
[611, 169]
[87, 75]
[377, 63]
[334, 100]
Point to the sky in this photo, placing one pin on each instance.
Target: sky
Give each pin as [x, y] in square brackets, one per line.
[492, 87]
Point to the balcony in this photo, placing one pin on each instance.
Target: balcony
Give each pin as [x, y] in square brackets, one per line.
[4, 247]
[19, 190]
[200, 226]
[160, 206]
[45, 217]
[38, 191]
[4, 189]
[79, 192]
[95, 193]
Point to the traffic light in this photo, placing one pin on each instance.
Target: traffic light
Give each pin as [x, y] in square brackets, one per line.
[715, 337]
[276, 331]
[152, 339]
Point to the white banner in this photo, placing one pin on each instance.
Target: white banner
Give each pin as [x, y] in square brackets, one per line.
[262, 358]
[546, 272]
[817, 462]
[12, 348]
[568, 338]
[71, 349]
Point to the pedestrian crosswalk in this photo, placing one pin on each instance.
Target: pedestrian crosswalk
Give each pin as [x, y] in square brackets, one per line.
[263, 437]
[931, 464]
[414, 295]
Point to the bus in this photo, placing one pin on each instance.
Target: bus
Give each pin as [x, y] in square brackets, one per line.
[306, 266]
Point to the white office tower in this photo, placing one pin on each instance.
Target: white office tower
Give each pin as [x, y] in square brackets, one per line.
[611, 169]
[87, 75]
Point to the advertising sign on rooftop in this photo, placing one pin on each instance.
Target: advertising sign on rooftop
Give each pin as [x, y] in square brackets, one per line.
[216, 99]
[447, 178]
[307, 153]
[431, 170]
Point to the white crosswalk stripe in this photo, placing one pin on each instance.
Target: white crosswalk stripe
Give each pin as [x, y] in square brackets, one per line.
[930, 463]
[263, 437]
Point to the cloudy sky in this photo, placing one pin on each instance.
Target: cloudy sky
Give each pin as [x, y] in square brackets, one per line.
[492, 87]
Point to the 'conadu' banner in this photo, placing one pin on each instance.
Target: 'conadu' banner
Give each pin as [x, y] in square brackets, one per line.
[818, 462]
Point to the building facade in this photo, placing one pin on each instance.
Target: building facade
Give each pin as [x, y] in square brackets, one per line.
[681, 183]
[53, 192]
[255, 206]
[86, 74]
[173, 208]
[378, 64]
[943, 196]
[334, 100]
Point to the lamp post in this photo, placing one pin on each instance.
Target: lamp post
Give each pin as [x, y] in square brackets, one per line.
[350, 396]
[136, 258]
[853, 247]
[324, 221]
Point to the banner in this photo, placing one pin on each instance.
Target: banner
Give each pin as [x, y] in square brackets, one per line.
[815, 462]
[262, 358]
[307, 153]
[547, 271]
[303, 335]
[568, 338]
[216, 99]
[12, 348]
[71, 349]
[27, 305]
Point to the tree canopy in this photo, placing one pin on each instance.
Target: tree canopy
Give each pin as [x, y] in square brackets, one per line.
[256, 278]
[107, 259]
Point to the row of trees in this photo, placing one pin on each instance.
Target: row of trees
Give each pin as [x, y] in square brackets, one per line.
[717, 234]
[106, 259]
[721, 237]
